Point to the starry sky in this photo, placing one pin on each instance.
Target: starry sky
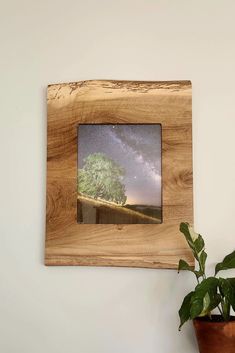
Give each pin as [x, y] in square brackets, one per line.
[136, 148]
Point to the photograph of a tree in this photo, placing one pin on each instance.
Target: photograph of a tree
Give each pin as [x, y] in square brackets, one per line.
[119, 174]
[101, 178]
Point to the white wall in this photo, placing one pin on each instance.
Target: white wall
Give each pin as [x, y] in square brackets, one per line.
[104, 310]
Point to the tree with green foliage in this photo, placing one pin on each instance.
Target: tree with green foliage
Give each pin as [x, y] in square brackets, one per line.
[101, 178]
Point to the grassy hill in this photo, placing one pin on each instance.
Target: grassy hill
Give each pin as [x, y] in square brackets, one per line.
[91, 211]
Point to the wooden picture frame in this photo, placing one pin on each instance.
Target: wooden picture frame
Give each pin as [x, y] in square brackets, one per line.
[118, 102]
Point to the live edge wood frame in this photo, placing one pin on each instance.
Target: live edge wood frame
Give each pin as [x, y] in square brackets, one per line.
[118, 102]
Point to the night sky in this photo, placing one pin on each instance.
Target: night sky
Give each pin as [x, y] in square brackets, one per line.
[136, 148]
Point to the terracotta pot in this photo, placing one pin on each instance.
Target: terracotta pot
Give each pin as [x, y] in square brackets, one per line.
[215, 336]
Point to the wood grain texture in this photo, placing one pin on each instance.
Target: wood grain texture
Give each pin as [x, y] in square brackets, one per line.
[135, 245]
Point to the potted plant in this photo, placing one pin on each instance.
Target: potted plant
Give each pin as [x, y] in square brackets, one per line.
[215, 333]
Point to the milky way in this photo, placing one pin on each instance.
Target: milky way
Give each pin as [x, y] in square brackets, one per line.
[136, 148]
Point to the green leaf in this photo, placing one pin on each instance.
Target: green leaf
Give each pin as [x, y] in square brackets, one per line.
[206, 305]
[189, 234]
[203, 257]
[205, 297]
[227, 263]
[183, 265]
[225, 309]
[200, 302]
[232, 283]
[184, 312]
[227, 294]
[196, 307]
[199, 244]
[207, 285]
[194, 240]
[227, 289]
[215, 300]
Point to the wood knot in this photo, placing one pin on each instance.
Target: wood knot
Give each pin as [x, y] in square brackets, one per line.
[119, 227]
[184, 178]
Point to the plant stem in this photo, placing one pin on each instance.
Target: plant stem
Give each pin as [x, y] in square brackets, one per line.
[221, 312]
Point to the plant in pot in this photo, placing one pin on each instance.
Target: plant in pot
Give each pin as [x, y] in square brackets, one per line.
[215, 333]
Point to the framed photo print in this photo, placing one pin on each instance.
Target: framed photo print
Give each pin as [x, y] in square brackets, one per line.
[119, 173]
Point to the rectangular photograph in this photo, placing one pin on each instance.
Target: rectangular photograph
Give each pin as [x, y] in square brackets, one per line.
[119, 174]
